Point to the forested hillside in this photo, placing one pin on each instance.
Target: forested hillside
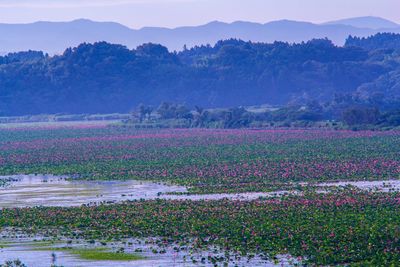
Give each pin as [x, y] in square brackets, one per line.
[105, 78]
[376, 42]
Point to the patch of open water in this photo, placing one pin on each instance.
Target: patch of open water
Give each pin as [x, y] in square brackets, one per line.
[49, 190]
[39, 255]
[383, 186]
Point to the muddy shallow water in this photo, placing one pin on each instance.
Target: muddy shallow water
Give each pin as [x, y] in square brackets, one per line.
[49, 190]
[383, 186]
[40, 254]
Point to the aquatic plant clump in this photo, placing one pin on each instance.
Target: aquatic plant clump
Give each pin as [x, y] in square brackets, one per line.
[334, 228]
[208, 161]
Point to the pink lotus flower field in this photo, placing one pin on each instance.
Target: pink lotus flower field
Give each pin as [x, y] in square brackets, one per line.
[345, 227]
[205, 160]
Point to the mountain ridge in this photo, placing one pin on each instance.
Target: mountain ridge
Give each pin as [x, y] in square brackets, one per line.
[55, 37]
[367, 22]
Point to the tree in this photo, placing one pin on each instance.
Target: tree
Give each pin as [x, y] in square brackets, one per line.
[360, 115]
[144, 112]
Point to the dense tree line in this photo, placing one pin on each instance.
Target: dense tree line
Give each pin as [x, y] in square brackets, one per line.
[389, 41]
[311, 114]
[107, 78]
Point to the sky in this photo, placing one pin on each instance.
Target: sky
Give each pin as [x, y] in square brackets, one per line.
[174, 13]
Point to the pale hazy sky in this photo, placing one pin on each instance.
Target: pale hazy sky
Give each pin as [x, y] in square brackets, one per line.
[172, 13]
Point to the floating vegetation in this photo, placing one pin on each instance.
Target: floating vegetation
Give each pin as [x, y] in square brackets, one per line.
[343, 225]
[207, 161]
[331, 228]
[7, 181]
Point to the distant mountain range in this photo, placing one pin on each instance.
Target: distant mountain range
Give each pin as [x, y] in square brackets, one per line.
[55, 37]
[366, 22]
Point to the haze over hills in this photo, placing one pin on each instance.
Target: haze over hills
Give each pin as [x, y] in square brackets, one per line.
[366, 22]
[55, 37]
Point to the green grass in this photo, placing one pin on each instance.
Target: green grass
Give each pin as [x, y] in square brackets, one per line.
[4, 244]
[97, 254]
[44, 243]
